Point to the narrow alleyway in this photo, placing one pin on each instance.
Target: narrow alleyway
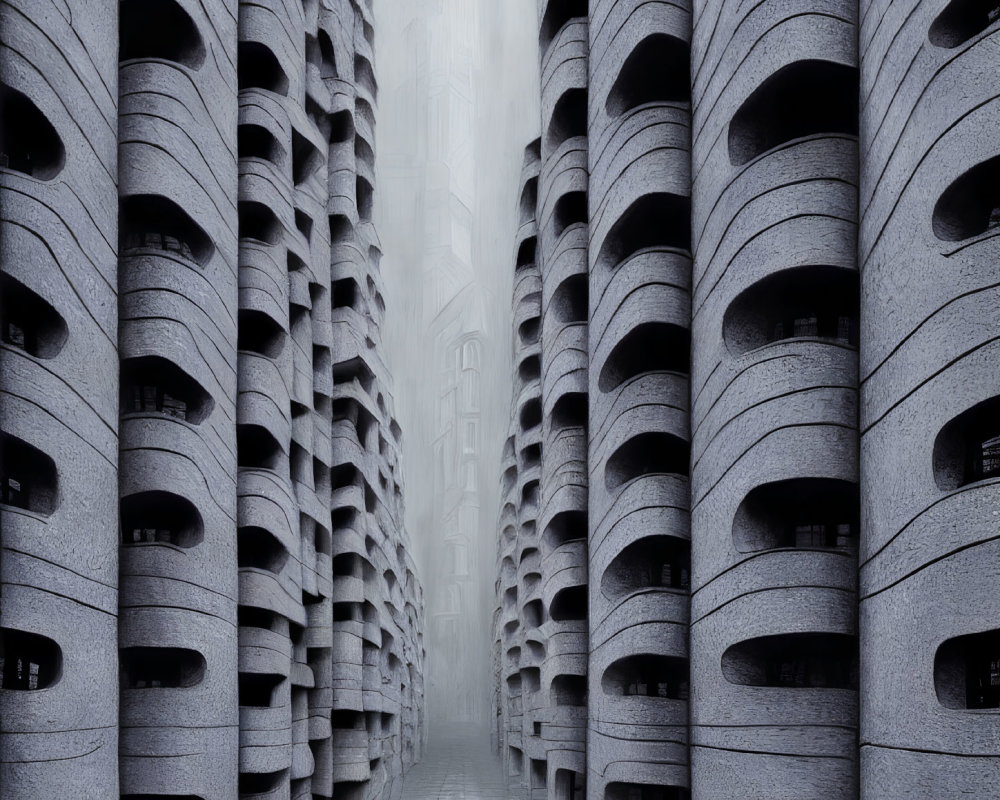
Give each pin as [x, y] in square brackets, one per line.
[458, 765]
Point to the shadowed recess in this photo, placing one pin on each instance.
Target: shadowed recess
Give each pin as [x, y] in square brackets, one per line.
[971, 205]
[28, 322]
[29, 143]
[152, 222]
[159, 29]
[531, 414]
[659, 220]
[816, 302]
[805, 98]
[647, 675]
[967, 449]
[962, 20]
[28, 477]
[657, 71]
[259, 68]
[809, 513]
[256, 448]
[565, 527]
[570, 411]
[259, 223]
[258, 548]
[306, 159]
[260, 333]
[161, 667]
[261, 782]
[256, 141]
[647, 348]
[258, 690]
[159, 517]
[569, 118]
[569, 605]
[794, 661]
[643, 791]
[28, 661]
[967, 671]
[526, 253]
[557, 14]
[651, 453]
[571, 299]
[530, 368]
[653, 562]
[156, 385]
[570, 209]
[528, 204]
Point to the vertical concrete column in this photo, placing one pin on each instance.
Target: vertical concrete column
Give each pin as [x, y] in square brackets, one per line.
[774, 484]
[930, 453]
[58, 399]
[178, 304]
[640, 275]
[561, 199]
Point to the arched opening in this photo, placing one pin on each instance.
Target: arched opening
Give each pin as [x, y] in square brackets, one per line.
[814, 513]
[258, 548]
[658, 220]
[570, 785]
[528, 205]
[970, 206]
[259, 690]
[805, 98]
[819, 302]
[967, 671]
[569, 605]
[657, 71]
[530, 369]
[364, 75]
[159, 29]
[557, 15]
[158, 517]
[963, 20]
[152, 222]
[261, 782]
[365, 196]
[569, 118]
[533, 614]
[565, 527]
[346, 294]
[644, 791]
[570, 209]
[161, 667]
[571, 299]
[256, 448]
[647, 675]
[29, 143]
[531, 679]
[341, 127]
[259, 68]
[652, 453]
[28, 661]
[647, 348]
[28, 322]
[306, 159]
[259, 332]
[155, 385]
[28, 477]
[570, 411]
[794, 661]
[967, 449]
[531, 414]
[529, 331]
[328, 56]
[259, 223]
[265, 619]
[256, 141]
[526, 253]
[653, 562]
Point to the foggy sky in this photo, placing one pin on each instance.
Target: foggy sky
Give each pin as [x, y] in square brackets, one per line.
[458, 102]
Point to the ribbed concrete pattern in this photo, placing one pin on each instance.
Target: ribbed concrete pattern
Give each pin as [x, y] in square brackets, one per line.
[58, 399]
[774, 377]
[929, 363]
[639, 128]
[177, 333]
[562, 523]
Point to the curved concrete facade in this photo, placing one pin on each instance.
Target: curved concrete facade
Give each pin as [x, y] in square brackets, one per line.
[203, 309]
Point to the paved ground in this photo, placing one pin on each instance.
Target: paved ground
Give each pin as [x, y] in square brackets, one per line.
[458, 765]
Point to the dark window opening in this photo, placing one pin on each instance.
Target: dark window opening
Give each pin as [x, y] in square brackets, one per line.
[647, 348]
[28, 322]
[558, 13]
[303, 224]
[306, 159]
[364, 75]
[256, 141]
[534, 615]
[653, 562]
[569, 118]
[571, 299]
[341, 127]
[530, 331]
[159, 29]
[526, 253]
[259, 333]
[570, 411]
[970, 206]
[812, 301]
[647, 675]
[252, 617]
[531, 677]
[570, 785]
[565, 527]
[640, 791]
[259, 690]
[160, 797]
[538, 770]
[161, 668]
[530, 369]
[28, 662]
[341, 229]
[653, 221]
[528, 205]
[329, 59]
[365, 199]
[795, 661]
[322, 541]
[158, 517]
[531, 414]
[155, 385]
[967, 671]
[363, 153]
[569, 605]
[152, 222]
[962, 20]
[968, 447]
[529, 495]
[805, 98]
[259, 68]
[256, 448]
[258, 548]
[570, 209]
[657, 71]
[532, 455]
[29, 143]
[647, 454]
[800, 512]
[28, 477]
[259, 223]
[261, 782]
[347, 720]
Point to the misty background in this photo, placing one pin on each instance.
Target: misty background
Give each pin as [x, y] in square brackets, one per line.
[458, 102]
